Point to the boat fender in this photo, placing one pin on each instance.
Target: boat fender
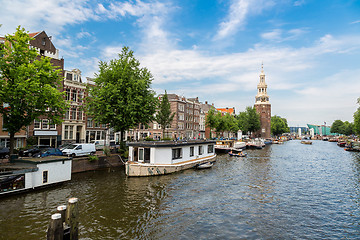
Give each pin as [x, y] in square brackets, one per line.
[151, 172]
[158, 171]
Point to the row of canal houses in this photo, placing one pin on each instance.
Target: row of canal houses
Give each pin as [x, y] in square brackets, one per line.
[77, 127]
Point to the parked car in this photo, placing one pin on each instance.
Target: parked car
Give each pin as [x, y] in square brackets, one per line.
[4, 152]
[65, 146]
[80, 149]
[33, 151]
[49, 152]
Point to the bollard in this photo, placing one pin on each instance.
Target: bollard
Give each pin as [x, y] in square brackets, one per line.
[56, 228]
[62, 210]
[71, 218]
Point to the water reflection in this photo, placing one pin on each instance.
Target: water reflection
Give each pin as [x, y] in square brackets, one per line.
[285, 191]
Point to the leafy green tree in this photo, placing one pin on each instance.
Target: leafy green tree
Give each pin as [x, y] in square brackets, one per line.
[232, 125]
[337, 127]
[253, 119]
[164, 116]
[28, 85]
[348, 128]
[242, 121]
[122, 96]
[211, 120]
[278, 125]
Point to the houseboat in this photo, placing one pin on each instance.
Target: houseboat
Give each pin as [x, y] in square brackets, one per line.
[26, 174]
[164, 157]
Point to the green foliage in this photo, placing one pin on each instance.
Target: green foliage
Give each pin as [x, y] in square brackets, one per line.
[28, 86]
[211, 120]
[341, 127]
[31, 141]
[166, 139]
[356, 127]
[337, 126]
[249, 121]
[93, 158]
[122, 96]
[149, 139]
[164, 116]
[279, 125]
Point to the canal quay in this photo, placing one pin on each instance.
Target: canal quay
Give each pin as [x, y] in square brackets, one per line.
[288, 191]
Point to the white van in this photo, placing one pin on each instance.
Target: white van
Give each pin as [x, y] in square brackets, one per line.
[80, 149]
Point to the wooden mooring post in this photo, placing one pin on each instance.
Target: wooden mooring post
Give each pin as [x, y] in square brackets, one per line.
[64, 224]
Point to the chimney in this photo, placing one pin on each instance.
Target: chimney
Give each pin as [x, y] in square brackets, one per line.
[205, 102]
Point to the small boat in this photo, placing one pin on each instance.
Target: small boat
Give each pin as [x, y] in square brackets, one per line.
[306, 142]
[240, 154]
[204, 165]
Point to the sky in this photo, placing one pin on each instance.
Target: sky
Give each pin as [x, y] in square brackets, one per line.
[213, 49]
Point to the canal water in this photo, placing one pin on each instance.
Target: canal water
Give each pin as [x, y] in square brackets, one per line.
[289, 191]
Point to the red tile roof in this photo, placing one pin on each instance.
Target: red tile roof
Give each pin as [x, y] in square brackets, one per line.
[34, 34]
[226, 110]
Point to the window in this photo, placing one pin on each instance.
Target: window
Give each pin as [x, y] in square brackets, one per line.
[191, 151]
[67, 114]
[181, 107]
[68, 92]
[45, 176]
[45, 124]
[89, 123]
[73, 113]
[42, 52]
[80, 97]
[69, 132]
[200, 150]
[141, 154]
[98, 135]
[52, 126]
[69, 76]
[176, 153]
[80, 115]
[210, 148]
[37, 124]
[181, 116]
[73, 95]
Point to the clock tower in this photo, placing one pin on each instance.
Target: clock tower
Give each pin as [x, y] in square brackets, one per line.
[263, 107]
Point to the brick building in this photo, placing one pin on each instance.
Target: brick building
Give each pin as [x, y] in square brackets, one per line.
[263, 107]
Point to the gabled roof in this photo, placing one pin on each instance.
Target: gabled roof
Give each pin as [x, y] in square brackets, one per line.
[34, 34]
[226, 110]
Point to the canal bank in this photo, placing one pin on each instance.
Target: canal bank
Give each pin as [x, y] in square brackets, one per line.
[288, 191]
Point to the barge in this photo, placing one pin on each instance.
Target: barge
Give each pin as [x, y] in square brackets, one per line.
[26, 174]
[164, 157]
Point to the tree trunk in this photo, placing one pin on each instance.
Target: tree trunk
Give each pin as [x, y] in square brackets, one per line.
[12, 141]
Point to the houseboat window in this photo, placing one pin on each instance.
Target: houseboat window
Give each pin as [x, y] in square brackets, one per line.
[176, 153]
[45, 176]
[200, 150]
[210, 148]
[191, 151]
[141, 154]
[147, 155]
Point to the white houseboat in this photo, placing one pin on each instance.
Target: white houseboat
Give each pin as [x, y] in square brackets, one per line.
[158, 158]
[21, 175]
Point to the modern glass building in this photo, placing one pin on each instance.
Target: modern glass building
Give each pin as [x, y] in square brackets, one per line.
[321, 129]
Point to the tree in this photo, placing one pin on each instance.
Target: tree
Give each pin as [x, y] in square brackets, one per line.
[337, 127]
[122, 96]
[28, 85]
[253, 119]
[348, 128]
[164, 116]
[243, 122]
[356, 127]
[211, 120]
[278, 125]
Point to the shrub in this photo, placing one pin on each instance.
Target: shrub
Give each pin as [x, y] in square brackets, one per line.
[93, 158]
[148, 139]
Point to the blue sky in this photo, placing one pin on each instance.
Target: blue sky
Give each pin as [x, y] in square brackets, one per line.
[213, 49]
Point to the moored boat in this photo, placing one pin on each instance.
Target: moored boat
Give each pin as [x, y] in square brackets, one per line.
[306, 142]
[204, 165]
[159, 158]
[22, 175]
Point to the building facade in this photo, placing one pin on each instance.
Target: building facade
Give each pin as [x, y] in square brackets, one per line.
[263, 107]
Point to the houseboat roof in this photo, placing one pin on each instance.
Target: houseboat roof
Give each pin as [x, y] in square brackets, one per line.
[47, 159]
[168, 143]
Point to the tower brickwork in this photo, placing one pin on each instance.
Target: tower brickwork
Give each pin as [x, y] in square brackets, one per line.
[263, 107]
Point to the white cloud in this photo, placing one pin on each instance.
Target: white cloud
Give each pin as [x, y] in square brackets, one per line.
[299, 3]
[51, 15]
[238, 12]
[358, 21]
